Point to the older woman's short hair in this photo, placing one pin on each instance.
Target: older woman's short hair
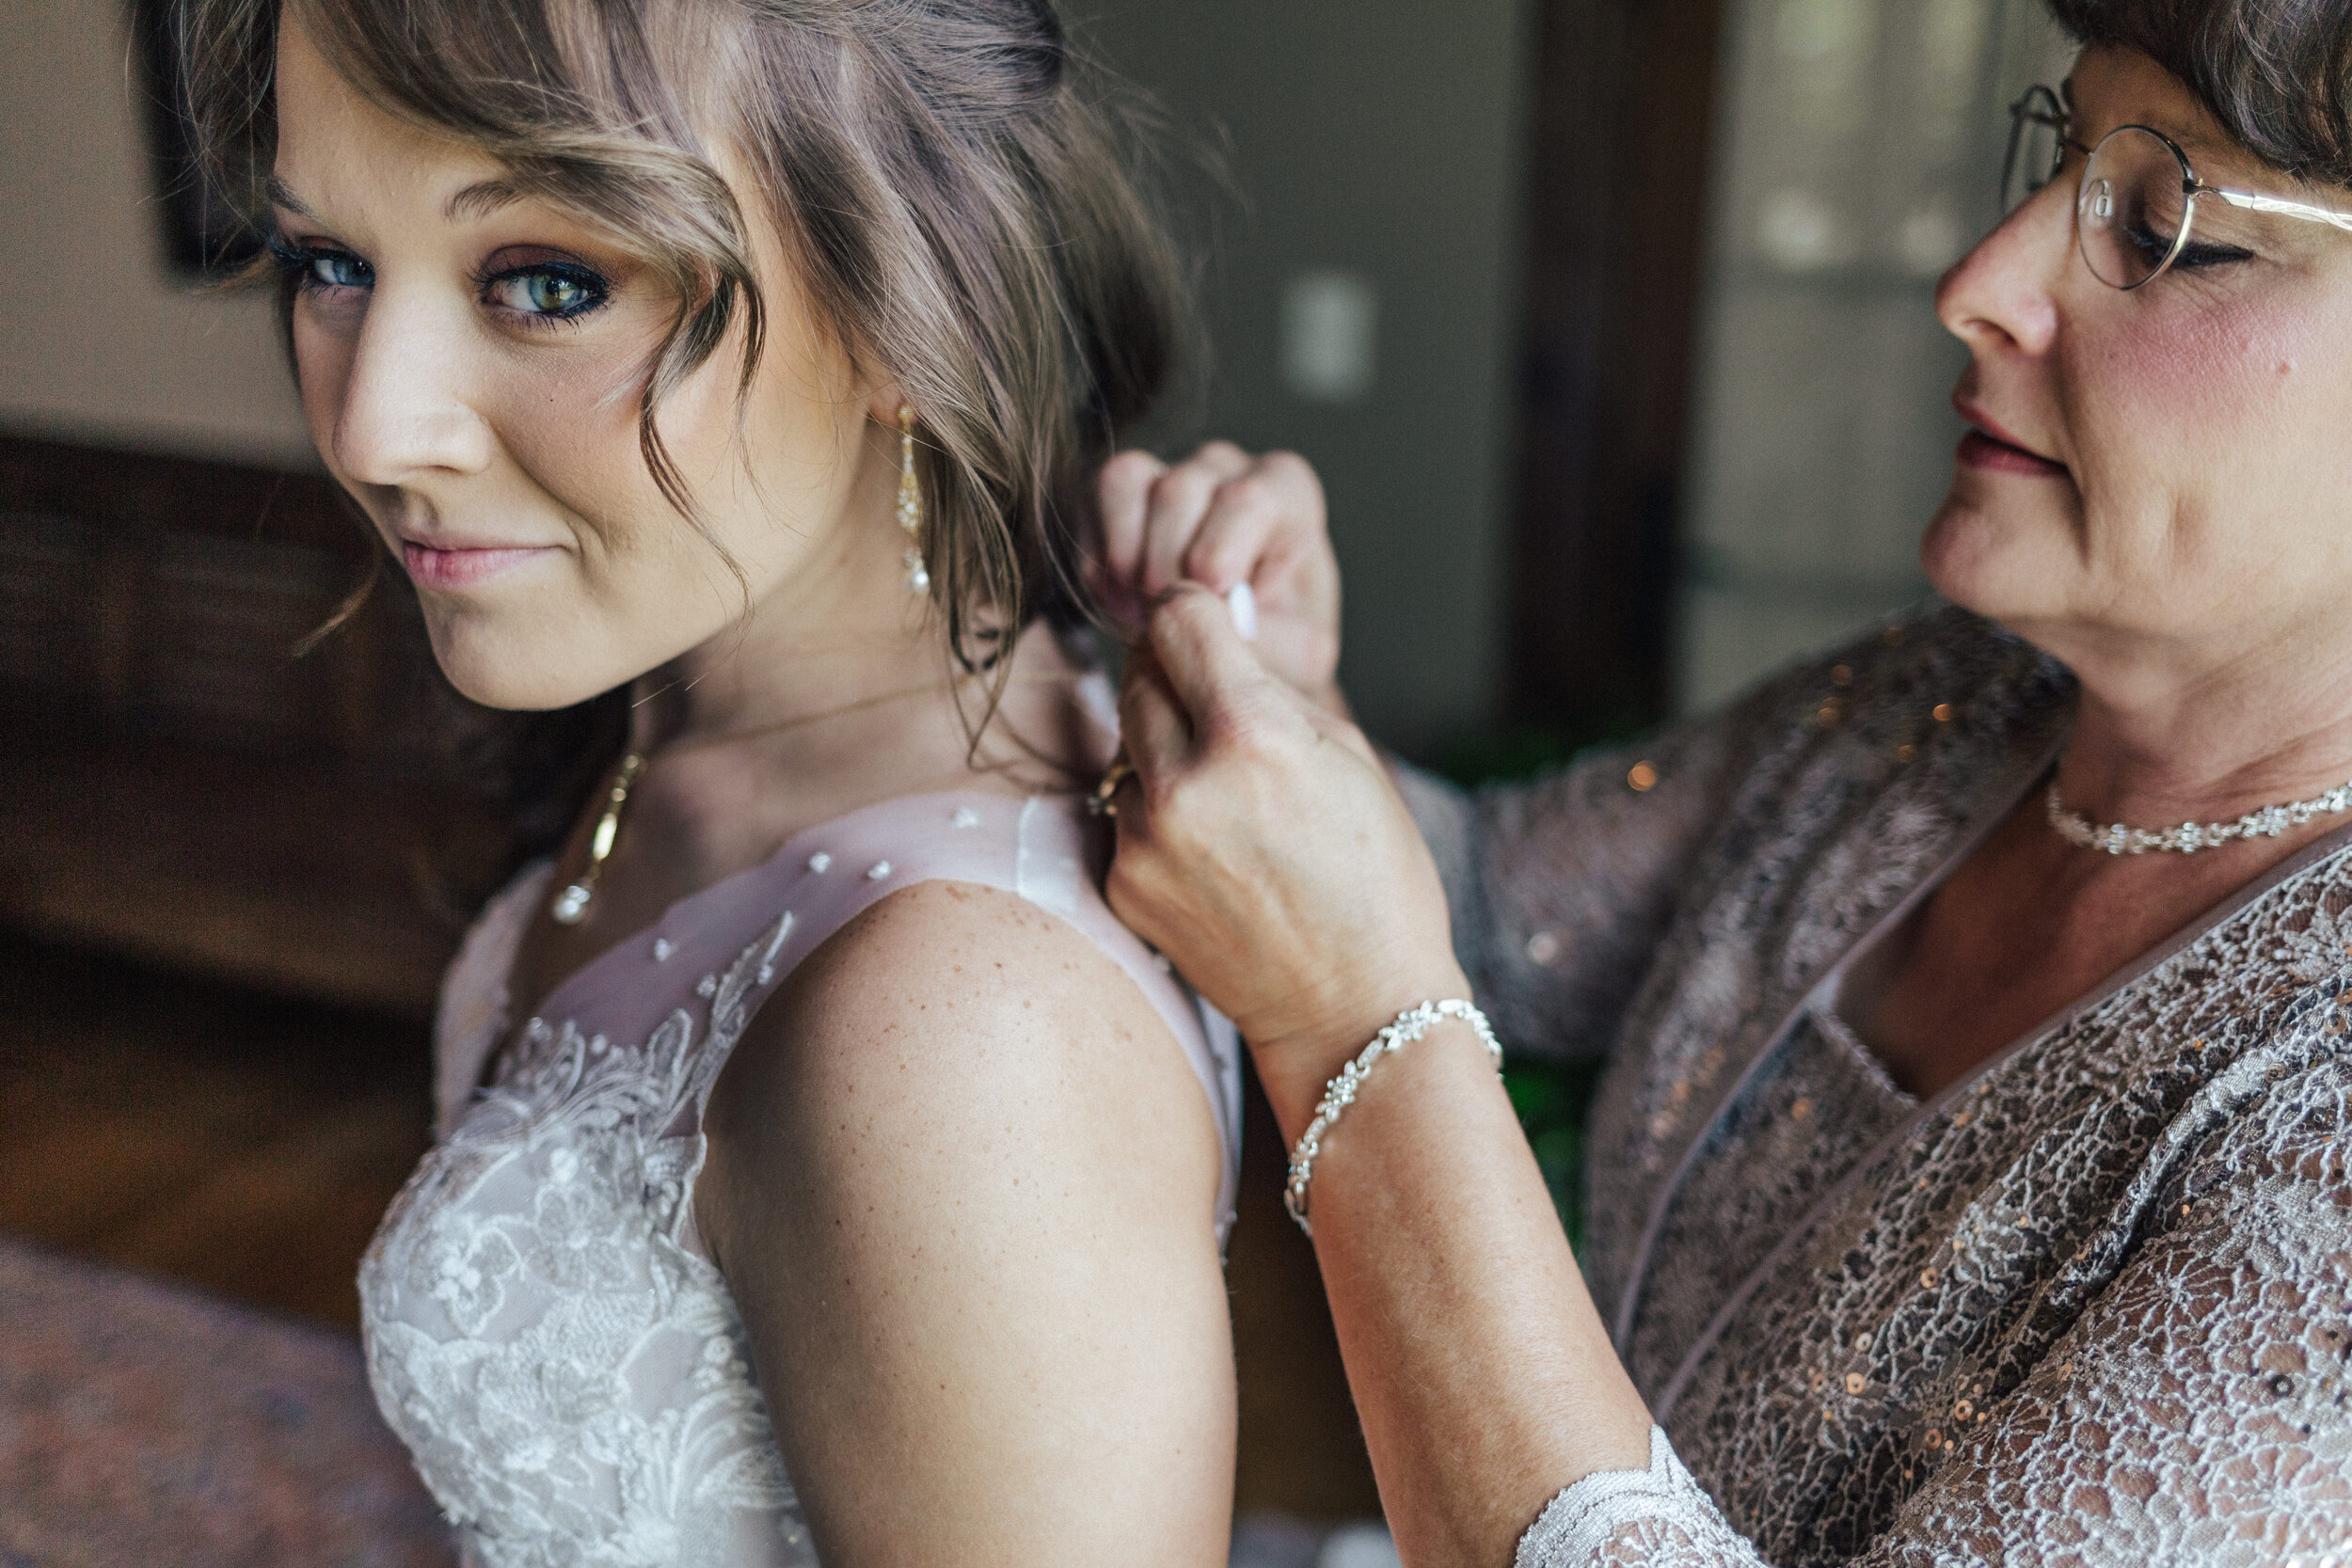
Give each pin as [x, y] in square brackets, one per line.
[2275, 73]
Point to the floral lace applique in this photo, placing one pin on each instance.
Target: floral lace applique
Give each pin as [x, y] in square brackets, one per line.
[571, 1375]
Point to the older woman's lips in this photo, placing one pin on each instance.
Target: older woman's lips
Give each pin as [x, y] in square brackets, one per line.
[460, 568]
[1979, 450]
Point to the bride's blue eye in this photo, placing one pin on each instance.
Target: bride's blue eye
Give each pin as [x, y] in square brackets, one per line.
[551, 291]
[315, 268]
[332, 269]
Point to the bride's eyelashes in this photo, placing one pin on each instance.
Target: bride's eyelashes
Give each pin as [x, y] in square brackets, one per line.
[314, 268]
[537, 292]
[540, 289]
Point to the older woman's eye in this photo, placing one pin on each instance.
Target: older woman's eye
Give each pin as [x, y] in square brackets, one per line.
[549, 293]
[2200, 253]
[2154, 247]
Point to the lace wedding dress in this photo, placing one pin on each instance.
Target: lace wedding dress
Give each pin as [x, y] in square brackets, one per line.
[544, 1327]
[2091, 1304]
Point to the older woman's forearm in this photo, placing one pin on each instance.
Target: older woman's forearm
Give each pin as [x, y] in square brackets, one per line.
[1483, 1374]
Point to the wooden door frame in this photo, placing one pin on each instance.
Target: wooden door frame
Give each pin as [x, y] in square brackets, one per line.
[1621, 128]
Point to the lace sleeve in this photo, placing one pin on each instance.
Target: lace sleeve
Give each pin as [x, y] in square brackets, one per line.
[2196, 1411]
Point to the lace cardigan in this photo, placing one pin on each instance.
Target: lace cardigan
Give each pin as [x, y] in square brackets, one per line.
[2088, 1305]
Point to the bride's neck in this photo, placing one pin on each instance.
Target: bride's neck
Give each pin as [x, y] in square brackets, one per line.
[845, 629]
[743, 681]
[838, 698]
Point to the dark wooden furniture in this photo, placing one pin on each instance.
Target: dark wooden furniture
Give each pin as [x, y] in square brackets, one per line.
[231, 873]
[189, 779]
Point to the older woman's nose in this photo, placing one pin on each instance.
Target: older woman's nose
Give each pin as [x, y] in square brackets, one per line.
[2003, 293]
[405, 410]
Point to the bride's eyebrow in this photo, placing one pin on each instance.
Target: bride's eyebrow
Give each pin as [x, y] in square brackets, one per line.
[281, 196]
[480, 199]
[477, 201]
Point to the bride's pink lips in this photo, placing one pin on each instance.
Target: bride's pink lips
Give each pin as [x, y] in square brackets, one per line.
[450, 569]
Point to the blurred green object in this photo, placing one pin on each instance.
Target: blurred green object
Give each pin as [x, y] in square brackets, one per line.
[1521, 753]
[1553, 1099]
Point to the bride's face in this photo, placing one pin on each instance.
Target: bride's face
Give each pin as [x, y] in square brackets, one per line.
[470, 368]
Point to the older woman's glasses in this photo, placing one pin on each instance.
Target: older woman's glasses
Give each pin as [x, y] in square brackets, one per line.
[2139, 198]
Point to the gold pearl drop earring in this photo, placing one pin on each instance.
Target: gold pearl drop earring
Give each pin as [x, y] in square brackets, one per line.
[911, 504]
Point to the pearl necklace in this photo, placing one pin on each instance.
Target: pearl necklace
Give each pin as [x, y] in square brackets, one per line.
[2189, 837]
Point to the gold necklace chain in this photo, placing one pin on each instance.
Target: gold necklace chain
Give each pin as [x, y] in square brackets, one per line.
[570, 907]
[881, 700]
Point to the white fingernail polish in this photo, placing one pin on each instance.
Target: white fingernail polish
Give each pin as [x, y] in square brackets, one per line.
[1243, 602]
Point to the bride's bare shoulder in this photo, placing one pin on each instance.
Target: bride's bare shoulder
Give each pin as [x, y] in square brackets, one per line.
[952, 1006]
[963, 1182]
[951, 982]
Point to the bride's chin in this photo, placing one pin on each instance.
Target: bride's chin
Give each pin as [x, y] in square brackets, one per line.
[1952, 549]
[495, 673]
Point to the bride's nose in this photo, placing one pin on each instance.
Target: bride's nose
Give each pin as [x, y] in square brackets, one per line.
[405, 411]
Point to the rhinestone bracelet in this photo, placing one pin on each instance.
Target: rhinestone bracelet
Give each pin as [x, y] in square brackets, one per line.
[1411, 1026]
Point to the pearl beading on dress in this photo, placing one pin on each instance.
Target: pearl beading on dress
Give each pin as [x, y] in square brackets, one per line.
[548, 1329]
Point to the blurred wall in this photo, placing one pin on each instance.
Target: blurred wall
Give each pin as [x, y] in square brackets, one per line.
[1858, 155]
[97, 341]
[1376, 148]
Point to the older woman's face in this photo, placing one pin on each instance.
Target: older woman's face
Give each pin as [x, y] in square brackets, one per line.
[2169, 468]
[470, 366]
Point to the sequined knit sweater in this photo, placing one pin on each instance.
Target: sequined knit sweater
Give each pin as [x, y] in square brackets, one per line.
[2087, 1306]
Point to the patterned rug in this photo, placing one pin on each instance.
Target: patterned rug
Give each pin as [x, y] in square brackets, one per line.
[142, 1422]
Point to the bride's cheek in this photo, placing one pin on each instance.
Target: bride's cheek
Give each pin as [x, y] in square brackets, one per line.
[573, 421]
[322, 363]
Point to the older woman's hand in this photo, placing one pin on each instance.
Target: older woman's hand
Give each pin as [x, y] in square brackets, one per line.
[1224, 517]
[1267, 855]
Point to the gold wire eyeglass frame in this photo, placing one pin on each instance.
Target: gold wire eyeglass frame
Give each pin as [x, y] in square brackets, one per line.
[2042, 106]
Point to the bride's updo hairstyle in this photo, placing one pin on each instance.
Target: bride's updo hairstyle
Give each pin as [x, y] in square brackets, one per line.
[957, 203]
[2277, 75]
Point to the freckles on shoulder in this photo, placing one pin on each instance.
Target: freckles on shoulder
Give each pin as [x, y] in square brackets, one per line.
[957, 1034]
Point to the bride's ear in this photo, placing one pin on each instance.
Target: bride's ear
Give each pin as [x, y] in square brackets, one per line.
[884, 402]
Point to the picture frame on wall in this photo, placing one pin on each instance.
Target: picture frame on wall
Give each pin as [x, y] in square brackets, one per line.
[201, 233]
